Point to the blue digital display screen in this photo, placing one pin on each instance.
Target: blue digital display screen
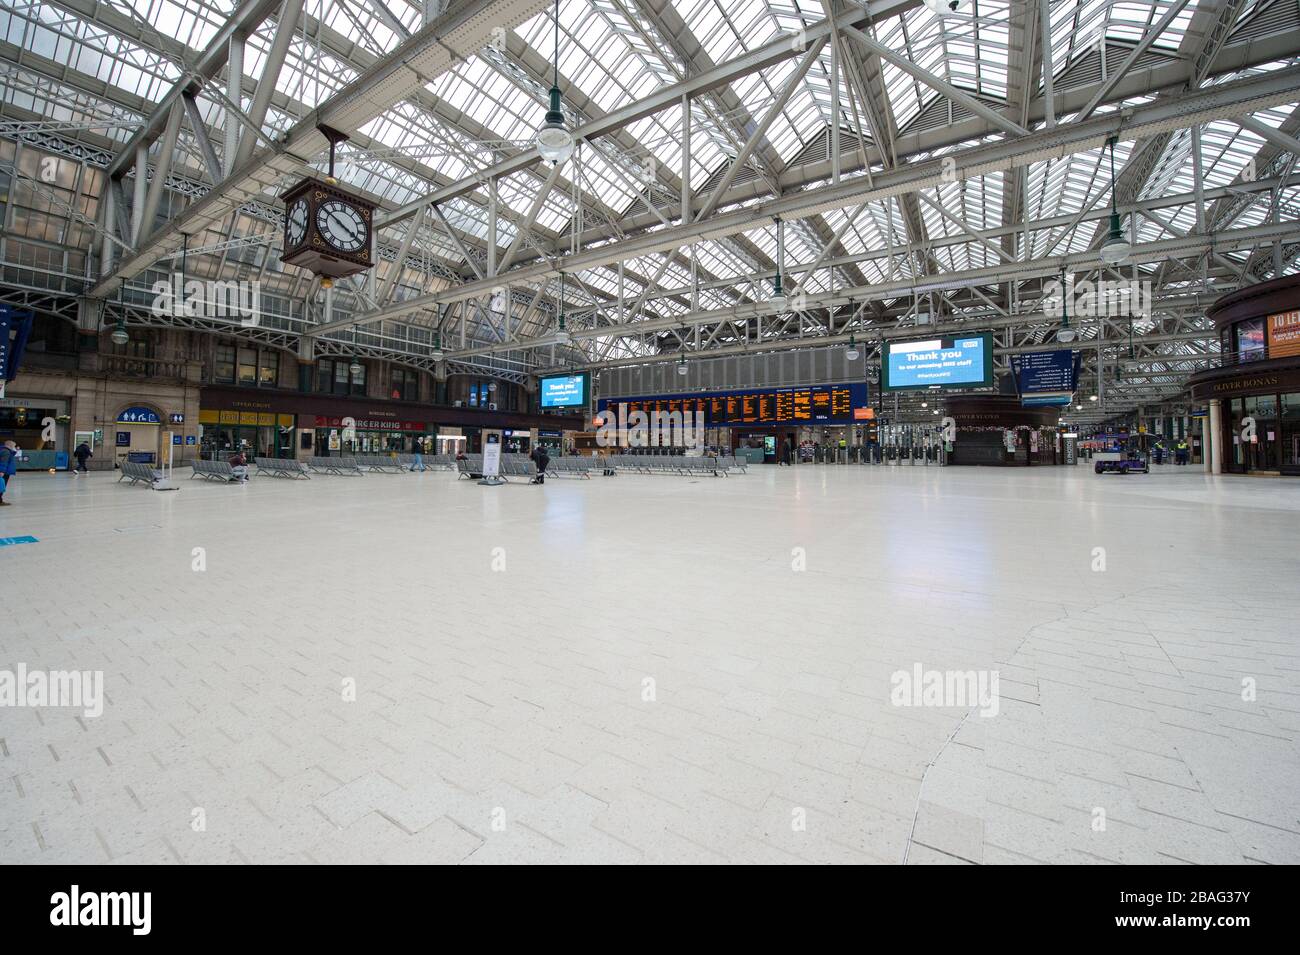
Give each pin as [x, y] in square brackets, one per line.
[962, 362]
[564, 391]
[1046, 377]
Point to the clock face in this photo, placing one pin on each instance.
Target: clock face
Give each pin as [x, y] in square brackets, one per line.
[342, 226]
[295, 224]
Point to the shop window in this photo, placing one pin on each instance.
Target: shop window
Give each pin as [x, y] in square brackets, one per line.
[268, 369]
[332, 377]
[406, 385]
[223, 368]
[135, 348]
[1290, 430]
[1250, 340]
[247, 366]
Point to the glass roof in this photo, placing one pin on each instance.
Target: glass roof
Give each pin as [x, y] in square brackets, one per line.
[614, 53]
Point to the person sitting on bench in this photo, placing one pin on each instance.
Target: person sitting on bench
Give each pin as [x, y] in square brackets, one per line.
[239, 467]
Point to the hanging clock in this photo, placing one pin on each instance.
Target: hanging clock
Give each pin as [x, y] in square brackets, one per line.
[327, 230]
[295, 224]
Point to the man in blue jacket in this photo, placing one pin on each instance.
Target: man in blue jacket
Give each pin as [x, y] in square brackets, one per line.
[8, 468]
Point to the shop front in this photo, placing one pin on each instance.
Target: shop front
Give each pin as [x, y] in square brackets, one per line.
[519, 441]
[1254, 395]
[997, 430]
[284, 423]
[344, 434]
[262, 434]
[39, 426]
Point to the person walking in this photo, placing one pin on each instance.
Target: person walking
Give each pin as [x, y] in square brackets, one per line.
[82, 453]
[418, 463]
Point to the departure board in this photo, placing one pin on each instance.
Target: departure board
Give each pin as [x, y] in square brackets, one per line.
[810, 404]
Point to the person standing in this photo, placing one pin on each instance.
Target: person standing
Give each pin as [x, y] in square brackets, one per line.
[82, 453]
[541, 459]
[8, 468]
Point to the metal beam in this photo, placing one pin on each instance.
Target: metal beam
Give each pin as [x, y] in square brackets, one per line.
[286, 23]
[1142, 45]
[937, 83]
[1212, 103]
[792, 84]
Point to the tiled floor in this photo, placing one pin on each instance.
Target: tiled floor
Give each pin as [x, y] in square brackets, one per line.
[635, 669]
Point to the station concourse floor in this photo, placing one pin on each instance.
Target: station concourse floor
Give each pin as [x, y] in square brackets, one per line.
[636, 669]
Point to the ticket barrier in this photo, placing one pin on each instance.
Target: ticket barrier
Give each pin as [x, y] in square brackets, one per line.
[912, 445]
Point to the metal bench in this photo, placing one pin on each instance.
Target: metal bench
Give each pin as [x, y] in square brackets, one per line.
[212, 471]
[338, 466]
[570, 466]
[379, 462]
[139, 474]
[470, 466]
[282, 468]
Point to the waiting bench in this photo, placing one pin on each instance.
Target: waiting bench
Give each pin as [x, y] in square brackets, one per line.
[282, 468]
[338, 466]
[380, 462]
[139, 474]
[211, 470]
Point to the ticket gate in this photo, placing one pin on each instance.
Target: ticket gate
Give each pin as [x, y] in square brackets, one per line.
[912, 445]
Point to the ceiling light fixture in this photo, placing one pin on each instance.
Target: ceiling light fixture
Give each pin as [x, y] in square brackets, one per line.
[1115, 249]
[120, 336]
[1065, 334]
[554, 141]
[778, 291]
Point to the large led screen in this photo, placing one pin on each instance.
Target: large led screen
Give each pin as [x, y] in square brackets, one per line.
[564, 391]
[962, 362]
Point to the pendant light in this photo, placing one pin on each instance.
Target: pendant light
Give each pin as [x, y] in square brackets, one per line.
[354, 369]
[943, 7]
[554, 141]
[436, 354]
[681, 367]
[852, 352]
[120, 336]
[1065, 334]
[1115, 249]
[778, 291]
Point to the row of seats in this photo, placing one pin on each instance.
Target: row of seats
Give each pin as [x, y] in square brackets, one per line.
[282, 468]
[139, 474]
[674, 464]
[211, 470]
[521, 465]
[336, 465]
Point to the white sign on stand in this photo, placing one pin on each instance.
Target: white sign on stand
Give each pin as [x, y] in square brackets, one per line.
[491, 462]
